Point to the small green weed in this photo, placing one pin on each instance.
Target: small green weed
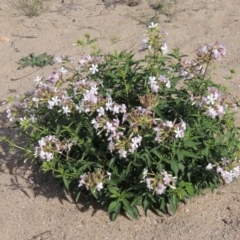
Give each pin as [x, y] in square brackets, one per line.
[114, 40]
[30, 8]
[132, 3]
[36, 61]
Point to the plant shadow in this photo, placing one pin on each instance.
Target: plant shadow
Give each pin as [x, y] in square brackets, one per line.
[28, 178]
[31, 181]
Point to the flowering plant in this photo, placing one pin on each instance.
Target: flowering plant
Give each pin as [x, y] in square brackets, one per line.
[148, 132]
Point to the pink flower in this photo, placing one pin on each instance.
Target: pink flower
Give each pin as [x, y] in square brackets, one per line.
[111, 146]
[123, 108]
[109, 127]
[53, 78]
[109, 104]
[154, 87]
[211, 112]
[101, 111]
[160, 188]
[83, 177]
[166, 178]
[48, 156]
[236, 171]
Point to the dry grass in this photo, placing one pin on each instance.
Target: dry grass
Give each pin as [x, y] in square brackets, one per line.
[30, 8]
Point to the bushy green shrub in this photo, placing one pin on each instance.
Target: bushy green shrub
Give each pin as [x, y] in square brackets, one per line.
[127, 132]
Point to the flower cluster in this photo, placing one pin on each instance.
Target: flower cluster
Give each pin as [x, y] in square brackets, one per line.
[90, 63]
[48, 146]
[153, 39]
[17, 110]
[165, 129]
[62, 59]
[191, 68]
[156, 83]
[215, 102]
[227, 172]
[211, 51]
[158, 183]
[229, 176]
[94, 180]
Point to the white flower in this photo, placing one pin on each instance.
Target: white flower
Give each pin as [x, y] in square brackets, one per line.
[99, 186]
[122, 153]
[204, 49]
[153, 25]
[152, 80]
[136, 141]
[38, 80]
[94, 68]
[94, 90]
[145, 172]
[109, 127]
[32, 117]
[209, 166]
[95, 124]
[80, 107]
[115, 109]
[148, 182]
[41, 142]
[179, 133]
[168, 124]
[109, 104]
[101, 111]
[66, 110]
[109, 175]
[22, 119]
[168, 83]
[63, 70]
[211, 99]
[183, 125]
[164, 49]
[55, 100]
[36, 100]
[48, 156]
[58, 59]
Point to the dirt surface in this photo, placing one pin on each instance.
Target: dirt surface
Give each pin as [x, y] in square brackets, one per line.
[33, 206]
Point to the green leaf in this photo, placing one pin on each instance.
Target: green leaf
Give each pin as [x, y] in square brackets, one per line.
[190, 154]
[113, 206]
[190, 189]
[154, 151]
[174, 167]
[113, 189]
[66, 181]
[131, 210]
[145, 205]
[173, 203]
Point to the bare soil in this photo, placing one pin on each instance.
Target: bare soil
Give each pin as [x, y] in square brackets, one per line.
[32, 205]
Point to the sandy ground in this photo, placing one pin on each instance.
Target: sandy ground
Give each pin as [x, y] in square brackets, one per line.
[33, 206]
